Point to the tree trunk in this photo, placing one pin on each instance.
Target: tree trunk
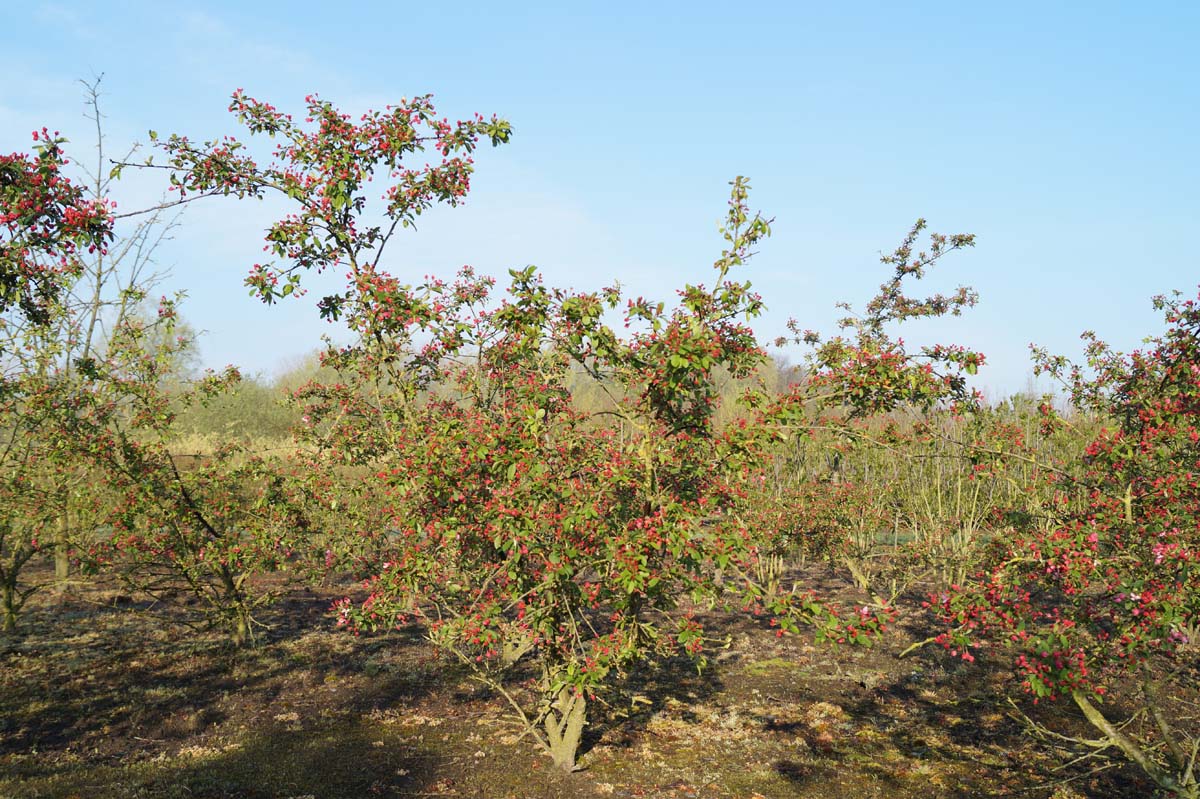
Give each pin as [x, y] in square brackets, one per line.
[62, 557]
[514, 649]
[234, 606]
[240, 630]
[564, 727]
[1163, 777]
[10, 606]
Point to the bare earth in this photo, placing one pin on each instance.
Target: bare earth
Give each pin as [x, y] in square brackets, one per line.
[102, 699]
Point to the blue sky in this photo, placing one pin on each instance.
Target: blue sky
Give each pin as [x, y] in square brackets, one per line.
[1063, 135]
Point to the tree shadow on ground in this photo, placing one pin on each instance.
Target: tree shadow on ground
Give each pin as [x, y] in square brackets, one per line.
[336, 761]
[951, 723]
[647, 690]
[119, 692]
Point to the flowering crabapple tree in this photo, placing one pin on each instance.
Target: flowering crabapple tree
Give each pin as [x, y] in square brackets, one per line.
[48, 225]
[530, 527]
[1110, 593]
[204, 532]
[520, 527]
[523, 527]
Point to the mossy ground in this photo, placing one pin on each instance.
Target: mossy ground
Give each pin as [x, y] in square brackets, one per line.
[100, 700]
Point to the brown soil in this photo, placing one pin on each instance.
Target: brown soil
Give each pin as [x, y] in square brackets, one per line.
[105, 699]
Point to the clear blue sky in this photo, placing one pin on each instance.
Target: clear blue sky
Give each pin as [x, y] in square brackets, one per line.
[1064, 135]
